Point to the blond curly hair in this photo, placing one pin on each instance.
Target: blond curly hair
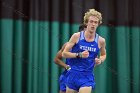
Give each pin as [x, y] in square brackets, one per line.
[92, 12]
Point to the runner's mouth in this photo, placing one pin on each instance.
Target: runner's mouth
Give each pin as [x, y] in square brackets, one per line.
[92, 27]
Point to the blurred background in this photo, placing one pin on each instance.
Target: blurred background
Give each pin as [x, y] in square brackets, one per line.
[32, 32]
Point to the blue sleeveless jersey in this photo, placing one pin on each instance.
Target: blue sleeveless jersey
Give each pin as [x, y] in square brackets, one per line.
[84, 64]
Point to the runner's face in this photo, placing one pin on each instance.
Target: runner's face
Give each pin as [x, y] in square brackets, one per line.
[93, 23]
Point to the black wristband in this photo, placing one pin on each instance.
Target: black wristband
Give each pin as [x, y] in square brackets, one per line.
[79, 55]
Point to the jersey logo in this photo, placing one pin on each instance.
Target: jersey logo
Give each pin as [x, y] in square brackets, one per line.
[88, 48]
[94, 49]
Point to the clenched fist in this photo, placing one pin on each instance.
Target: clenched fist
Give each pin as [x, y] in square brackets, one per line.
[85, 54]
[98, 61]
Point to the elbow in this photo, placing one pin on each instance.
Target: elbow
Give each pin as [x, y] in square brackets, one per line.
[55, 61]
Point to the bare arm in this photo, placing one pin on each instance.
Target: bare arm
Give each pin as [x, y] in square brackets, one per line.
[73, 40]
[70, 44]
[102, 52]
[58, 58]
